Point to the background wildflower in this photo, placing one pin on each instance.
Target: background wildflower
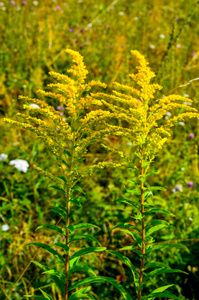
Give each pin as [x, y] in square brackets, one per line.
[20, 164]
[3, 156]
[190, 184]
[191, 135]
[5, 227]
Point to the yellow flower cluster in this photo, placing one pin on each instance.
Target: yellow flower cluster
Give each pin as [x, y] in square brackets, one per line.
[140, 113]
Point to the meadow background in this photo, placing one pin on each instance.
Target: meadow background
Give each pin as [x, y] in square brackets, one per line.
[33, 37]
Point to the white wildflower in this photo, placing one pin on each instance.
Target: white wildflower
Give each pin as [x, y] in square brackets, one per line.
[121, 13]
[35, 3]
[186, 95]
[34, 105]
[188, 103]
[162, 36]
[20, 164]
[152, 46]
[168, 113]
[177, 188]
[5, 227]
[130, 144]
[181, 123]
[3, 156]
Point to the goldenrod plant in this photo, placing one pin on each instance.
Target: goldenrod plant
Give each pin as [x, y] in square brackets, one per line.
[68, 136]
[147, 130]
[135, 116]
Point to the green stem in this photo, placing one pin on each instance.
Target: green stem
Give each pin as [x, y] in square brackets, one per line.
[67, 242]
[143, 231]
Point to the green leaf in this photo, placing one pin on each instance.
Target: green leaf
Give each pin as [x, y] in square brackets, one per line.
[70, 227]
[133, 191]
[46, 295]
[40, 265]
[56, 273]
[67, 152]
[152, 173]
[125, 225]
[52, 227]
[80, 294]
[166, 294]
[159, 210]
[79, 189]
[82, 237]
[155, 265]
[161, 289]
[134, 235]
[127, 202]
[60, 212]
[35, 297]
[147, 194]
[161, 271]
[86, 251]
[64, 246]
[62, 177]
[157, 222]
[82, 268]
[155, 228]
[156, 188]
[126, 261]
[132, 249]
[153, 247]
[49, 249]
[97, 279]
[85, 225]
[57, 188]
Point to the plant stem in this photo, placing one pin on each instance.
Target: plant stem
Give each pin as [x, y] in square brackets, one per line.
[67, 242]
[143, 231]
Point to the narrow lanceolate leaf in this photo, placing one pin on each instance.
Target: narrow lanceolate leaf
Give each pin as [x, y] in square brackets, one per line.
[82, 268]
[164, 294]
[147, 194]
[87, 251]
[155, 228]
[161, 289]
[60, 212]
[47, 296]
[161, 271]
[125, 225]
[56, 273]
[62, 178]
[64, 246]
[152, 265]
[154, 247]
[156, 188]
[133, 191]
[52, 227]
[49, 249]
[58, 188]
[159, 210]
[80, 294]
[85, 225]
[67, 152]
[83, 237]
[36, 297]
[151, 173]
[126, 261]
[127, 202]
[78, 189]
[135, 236]
[97, 279]
[131, 248]
[157, 222]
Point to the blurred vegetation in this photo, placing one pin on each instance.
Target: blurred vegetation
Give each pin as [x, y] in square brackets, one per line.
[33, 37]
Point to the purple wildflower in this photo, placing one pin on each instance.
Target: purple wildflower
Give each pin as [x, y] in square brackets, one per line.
[193, 54]
[58, 7]
[61, 114]
[24, 2]
[71, 29]
[63, 108]
[190, 184]
[191, 135]
[138, 99]
[57, 129]
[59, 107]
[13, 2]
[110, 160]
[177, 18]
[66, 148]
